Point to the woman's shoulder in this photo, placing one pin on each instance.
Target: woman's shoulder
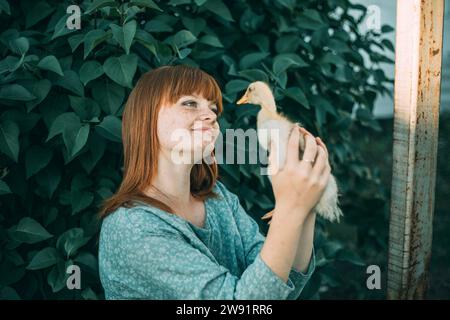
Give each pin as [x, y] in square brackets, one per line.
[134, 220]
[148, 219]
[223, 191]
[230, 197]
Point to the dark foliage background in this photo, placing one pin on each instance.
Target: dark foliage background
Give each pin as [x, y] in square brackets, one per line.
[62, 95]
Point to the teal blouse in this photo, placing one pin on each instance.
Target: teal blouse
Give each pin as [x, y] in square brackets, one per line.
[148, 253]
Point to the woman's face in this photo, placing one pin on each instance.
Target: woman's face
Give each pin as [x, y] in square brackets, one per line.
[189, 126]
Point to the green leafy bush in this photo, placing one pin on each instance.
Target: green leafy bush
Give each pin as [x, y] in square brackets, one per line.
[63, 91]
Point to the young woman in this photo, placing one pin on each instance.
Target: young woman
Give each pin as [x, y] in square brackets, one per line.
[173, 231]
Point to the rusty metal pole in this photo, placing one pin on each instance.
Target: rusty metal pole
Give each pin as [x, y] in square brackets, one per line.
[416, 124]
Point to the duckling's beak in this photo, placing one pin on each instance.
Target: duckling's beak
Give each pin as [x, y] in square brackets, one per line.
[243, 100]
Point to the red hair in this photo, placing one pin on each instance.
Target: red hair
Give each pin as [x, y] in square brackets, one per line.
[161, 86]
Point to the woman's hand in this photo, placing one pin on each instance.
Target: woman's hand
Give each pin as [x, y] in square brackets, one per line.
[299, 185]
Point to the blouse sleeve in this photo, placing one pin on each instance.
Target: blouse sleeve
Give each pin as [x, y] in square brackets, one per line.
[166, 266]
[253, 240]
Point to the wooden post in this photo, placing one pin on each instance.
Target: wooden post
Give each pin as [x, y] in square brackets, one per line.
[416, 124]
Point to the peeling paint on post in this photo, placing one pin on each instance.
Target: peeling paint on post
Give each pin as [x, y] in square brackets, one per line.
[416, 125]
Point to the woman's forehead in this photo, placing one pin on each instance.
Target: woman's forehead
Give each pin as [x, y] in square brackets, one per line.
[194, 95]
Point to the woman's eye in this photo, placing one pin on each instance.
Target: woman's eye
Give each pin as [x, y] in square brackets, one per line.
[190, 103]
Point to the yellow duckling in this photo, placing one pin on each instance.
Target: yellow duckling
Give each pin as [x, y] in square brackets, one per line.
[274, 129]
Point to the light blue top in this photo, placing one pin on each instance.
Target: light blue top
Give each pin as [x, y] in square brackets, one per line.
[148, 253]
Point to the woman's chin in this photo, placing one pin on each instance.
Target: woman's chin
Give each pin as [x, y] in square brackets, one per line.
[201, 153]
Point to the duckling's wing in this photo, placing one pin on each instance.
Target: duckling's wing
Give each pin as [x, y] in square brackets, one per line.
[275, 133]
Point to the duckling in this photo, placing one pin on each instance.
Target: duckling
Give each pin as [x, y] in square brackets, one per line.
[268, 122]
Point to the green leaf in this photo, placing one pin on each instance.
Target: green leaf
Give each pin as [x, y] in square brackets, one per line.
[195, 26]
[124, 35]
[30, 231]
[146, 3]
[97, 4]
[10, 64]
[183, 38]
[261, 41]
[97, 146]
[75, 41]
[284, 61]
[200, 2]
[57, 277]
[89, 294]
[36, 159]
[250, 22]
[231, 170]
[71, 82]
[4, 188]
[388, 44]
[219, 8]
[74, 133]
[61, 122]
[89, 71]
[386, 28]
[80, 181]
[109, 96]
[110, 128]
[321, 115]
[350, 256]
[61, 27]
[71, 240]
[8, 293]
[4, 6]
[288, 43]
[25, 121]
[44, 259]
[75, 137]
[157, 25]
[324, 104]
[48, 179]
[254, 75]
[15, 92]
[252, 59]
[92, 39]
[88, 260]
[9, 139]
[332, 58]
[211, 40]
[121, 69]
[178, 2]
[309, 19]
[52, 64]
[38, 12]
[234, 86]
[298, 95]
[86, 109]
[40, 89]
[19, 45]
[183, 53]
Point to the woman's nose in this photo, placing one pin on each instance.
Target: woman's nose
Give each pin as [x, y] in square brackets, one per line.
[209, 115]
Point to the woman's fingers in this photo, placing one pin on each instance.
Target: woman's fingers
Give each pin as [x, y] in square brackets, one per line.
[320, 142]
[293, 147]
[310, 148]
[325, 175]
[318, 139]
[320, 164]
